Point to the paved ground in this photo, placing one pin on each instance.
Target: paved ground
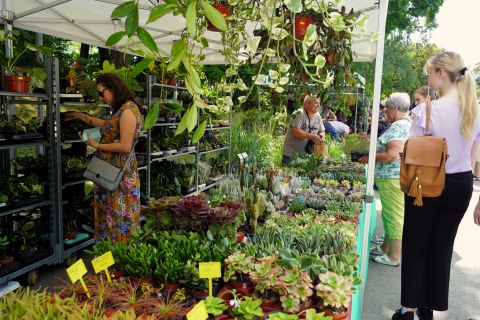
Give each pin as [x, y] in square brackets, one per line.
[382, 294]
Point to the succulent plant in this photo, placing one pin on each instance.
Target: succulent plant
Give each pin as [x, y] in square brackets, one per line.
[298, 204]
[192, 213]
[237, 265]
[336, 291]
[226, 212]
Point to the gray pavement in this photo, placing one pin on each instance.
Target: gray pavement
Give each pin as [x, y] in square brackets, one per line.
[382, 293]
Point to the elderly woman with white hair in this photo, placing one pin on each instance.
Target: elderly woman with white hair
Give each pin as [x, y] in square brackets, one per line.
[387, 178]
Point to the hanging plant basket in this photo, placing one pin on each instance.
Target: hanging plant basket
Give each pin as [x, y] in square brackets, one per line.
[301, 26]
[223, 11]
[17, 83]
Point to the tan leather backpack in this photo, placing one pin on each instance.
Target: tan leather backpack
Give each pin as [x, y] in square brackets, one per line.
[422, 169]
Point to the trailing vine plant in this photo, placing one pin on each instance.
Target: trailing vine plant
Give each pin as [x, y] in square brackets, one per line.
[274, 42]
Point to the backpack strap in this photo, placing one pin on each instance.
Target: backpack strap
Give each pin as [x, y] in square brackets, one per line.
[427, 131]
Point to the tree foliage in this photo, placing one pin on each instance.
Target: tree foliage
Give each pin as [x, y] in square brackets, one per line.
[410, 15]
[402, 66]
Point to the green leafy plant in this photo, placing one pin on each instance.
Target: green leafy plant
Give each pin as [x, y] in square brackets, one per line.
[282, 316]
[248, 308]
[215, 306]
[10, 63]
[298, 204]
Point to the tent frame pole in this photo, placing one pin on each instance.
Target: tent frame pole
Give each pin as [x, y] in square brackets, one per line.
[370, 194]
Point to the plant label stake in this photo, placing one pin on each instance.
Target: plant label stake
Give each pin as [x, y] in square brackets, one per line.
[209, 270]
[76, 272]
[102, 263]
[199, 312]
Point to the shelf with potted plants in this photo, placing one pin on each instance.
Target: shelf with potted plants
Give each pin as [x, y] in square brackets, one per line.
[27, 145]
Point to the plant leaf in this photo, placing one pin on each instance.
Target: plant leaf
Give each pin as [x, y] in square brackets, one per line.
[151, 117]
[131, 23]
[214, 16]
[192, 118]
[142, 65]
[123, 10]
[183, 124]
[147, 39]
[311, 35]
[176, 54]
[115, 38]
[191, 18]
[252, 44]
[320, 61]
[294, 5]
[159, 11]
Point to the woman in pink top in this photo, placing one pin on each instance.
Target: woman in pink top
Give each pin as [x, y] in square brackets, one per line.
[429, 231]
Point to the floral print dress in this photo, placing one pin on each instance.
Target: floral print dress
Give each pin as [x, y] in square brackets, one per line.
[117, 212]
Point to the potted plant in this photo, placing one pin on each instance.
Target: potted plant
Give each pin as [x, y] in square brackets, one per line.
[4, 259]
[237, 267]
[27, 235]
[215, 306]
[139, 261]
[301, 26]
[336, 292]
[247, 308]
[18, 79]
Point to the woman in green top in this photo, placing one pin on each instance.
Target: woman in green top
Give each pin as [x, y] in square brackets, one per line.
[387, 178]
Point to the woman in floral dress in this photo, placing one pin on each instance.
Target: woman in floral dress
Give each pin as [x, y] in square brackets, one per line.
[116, 212]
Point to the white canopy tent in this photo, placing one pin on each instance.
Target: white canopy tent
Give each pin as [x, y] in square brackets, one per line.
[89, 21]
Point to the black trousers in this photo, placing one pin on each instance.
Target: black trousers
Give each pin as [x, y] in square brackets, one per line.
[428, 235]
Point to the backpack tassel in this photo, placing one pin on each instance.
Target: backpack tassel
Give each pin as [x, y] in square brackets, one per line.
[416, 189]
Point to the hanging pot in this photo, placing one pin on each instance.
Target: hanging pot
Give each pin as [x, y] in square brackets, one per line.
[17, 83]
[301, 26]
[330, 57]
[223, 11]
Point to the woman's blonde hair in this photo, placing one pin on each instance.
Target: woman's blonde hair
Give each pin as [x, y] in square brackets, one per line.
[453, 64]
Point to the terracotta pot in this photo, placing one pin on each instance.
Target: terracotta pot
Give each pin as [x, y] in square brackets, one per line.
[330, 57]
[171, 286]
[243, 288]
[141, 281]
[271, 305]
[223, 11]
[240, 236]
[7, 261]
[337, 316]
[17, 83]
[71, 235]
[117, 274]
[224, 317]
[301, 26]
[199, 294]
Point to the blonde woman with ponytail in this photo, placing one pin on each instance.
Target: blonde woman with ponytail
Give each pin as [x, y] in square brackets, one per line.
[429, 231]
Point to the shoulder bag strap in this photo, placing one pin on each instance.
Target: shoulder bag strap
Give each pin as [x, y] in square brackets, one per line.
[428, 111]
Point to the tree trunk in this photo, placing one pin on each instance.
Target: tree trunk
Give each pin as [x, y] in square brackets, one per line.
[104, 55]
[84, 50]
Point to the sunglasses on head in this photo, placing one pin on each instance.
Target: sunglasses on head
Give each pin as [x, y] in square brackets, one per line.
[100, 92]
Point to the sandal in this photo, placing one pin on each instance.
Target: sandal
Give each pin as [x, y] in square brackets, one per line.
[377, 251]
[384, 259]
[378, 239]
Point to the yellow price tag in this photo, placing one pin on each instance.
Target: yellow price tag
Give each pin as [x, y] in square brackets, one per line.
[76, 272]
[102, 263]
[209, 270]
[199, 312]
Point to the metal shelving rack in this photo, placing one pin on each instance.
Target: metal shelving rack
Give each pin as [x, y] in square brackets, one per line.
[148, 155]
[64, 253]
[48, 145]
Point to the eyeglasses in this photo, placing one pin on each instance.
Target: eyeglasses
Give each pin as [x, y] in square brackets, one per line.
[100, 92]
